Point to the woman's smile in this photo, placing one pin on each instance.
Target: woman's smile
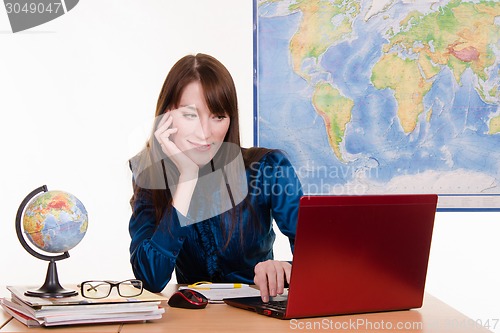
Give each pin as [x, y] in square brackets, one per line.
[201, 146]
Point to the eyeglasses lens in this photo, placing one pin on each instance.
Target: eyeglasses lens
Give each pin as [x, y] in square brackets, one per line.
[130, 288]
[97, 289]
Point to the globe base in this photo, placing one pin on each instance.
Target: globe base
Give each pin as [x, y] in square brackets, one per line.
[51, 288]
[45, 293]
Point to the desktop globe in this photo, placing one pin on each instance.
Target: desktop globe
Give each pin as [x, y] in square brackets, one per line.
[54, 222]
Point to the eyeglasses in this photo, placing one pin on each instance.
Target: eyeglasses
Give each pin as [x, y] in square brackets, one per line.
[102, 289]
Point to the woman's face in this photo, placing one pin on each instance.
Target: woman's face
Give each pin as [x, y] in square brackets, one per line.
[200, 133]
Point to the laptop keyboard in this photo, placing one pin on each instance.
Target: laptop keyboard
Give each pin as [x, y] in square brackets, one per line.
[276, 305]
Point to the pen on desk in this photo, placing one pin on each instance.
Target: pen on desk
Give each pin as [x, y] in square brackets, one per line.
[217, 285]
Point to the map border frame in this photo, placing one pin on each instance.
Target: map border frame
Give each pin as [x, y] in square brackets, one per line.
[446, 202]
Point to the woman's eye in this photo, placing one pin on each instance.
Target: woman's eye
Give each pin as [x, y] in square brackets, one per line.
[220, 118]
[190, 115]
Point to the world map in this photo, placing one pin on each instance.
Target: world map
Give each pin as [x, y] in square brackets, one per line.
[383, 96]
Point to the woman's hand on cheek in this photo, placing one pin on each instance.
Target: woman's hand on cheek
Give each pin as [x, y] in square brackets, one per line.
[270, 277]
[184, 164]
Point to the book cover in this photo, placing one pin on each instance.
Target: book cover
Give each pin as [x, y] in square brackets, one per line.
[23, 318]
[88, 309]
[89, 314]
[18, 292]
[36, 311]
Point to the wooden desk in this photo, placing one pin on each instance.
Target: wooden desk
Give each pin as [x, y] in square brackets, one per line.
[434, 316]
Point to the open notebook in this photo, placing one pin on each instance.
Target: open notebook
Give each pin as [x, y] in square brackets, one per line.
[217, 295]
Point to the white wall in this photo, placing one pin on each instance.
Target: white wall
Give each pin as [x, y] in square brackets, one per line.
[77, 96]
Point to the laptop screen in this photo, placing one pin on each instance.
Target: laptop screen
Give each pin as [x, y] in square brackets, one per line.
[357, 254]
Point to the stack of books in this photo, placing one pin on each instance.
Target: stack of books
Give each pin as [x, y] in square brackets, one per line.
[36, 311]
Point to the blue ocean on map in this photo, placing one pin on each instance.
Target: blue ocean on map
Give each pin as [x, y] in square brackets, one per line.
[451, 138]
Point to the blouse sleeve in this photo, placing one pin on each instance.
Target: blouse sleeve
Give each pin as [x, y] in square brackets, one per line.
[153, 250]
[284, 191]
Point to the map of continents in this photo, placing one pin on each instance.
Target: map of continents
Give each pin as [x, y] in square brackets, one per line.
[385, 96]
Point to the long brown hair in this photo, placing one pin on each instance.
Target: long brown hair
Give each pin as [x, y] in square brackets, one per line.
[220, 95]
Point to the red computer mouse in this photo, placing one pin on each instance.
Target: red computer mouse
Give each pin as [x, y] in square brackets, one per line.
[188, 299]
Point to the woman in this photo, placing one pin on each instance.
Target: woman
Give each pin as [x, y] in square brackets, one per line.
[174, 223]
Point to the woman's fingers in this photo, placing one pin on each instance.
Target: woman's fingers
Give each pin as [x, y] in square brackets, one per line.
[270, 277]
[163, 132]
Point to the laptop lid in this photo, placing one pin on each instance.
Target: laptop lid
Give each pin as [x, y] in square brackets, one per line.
[356, 254]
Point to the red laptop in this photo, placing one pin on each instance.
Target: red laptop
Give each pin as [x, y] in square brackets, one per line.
[355, 254]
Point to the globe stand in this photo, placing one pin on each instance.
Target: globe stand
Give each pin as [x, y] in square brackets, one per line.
[51, 288]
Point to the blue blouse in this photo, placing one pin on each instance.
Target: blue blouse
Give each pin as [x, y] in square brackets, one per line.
[200, 251]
